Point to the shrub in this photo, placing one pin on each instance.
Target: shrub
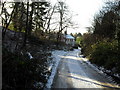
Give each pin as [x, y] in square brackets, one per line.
[105, 54]
[19, 71]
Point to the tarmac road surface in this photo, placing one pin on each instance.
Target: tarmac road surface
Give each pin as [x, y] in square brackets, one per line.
[73, 72]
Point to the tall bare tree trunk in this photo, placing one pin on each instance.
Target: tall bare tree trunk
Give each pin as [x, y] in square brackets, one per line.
[30, 22]
[26, 30]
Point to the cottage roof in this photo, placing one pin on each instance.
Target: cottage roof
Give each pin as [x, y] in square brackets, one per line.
[69, 36]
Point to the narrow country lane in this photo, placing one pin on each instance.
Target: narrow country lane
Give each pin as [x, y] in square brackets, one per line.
[73, 72]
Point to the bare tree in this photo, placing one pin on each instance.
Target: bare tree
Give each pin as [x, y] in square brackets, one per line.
[65, 19]
[6, 21]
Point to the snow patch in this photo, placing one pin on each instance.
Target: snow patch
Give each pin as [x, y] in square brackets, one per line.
[30, 56]
[98, 69]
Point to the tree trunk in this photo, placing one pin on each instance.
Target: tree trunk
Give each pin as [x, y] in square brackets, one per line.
[30, 22]
[26, 30]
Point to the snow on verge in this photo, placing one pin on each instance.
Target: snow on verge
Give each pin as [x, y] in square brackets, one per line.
[95, 67]
[56, 59]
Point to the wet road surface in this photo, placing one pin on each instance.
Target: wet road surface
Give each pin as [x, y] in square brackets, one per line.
[74, 72]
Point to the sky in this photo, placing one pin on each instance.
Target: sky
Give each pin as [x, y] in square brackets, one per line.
[83, 13]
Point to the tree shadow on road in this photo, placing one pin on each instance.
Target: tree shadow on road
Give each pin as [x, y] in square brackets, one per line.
[97, 81]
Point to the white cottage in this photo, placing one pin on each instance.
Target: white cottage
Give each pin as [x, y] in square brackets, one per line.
[70, 40]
